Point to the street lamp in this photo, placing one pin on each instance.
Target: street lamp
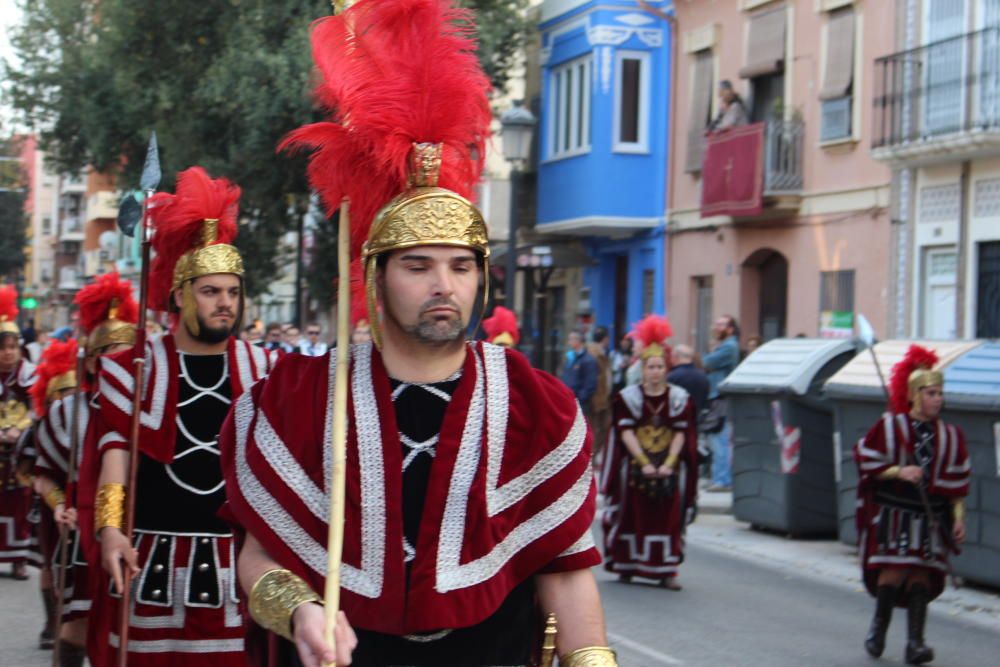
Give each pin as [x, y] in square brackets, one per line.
[517, 124]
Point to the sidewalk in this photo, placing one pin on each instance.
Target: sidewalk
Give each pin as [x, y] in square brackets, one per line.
[828, 560]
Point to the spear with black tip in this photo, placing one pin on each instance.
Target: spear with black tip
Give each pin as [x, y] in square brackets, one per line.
[148, 183]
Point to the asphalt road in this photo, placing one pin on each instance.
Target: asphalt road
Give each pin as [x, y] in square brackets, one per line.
[732, 612]
[736, 612]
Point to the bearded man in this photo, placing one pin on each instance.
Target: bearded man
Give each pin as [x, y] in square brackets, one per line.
[184, 604]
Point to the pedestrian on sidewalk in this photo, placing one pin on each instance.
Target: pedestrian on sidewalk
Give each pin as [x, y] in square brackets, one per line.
[913, 471]
[684, 373]
[649, 477]
[621, 359]
[580, 372]
[600, 402]
[719, 363]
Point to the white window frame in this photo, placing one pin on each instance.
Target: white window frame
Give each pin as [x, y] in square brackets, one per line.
[645, 80]
[579, 119]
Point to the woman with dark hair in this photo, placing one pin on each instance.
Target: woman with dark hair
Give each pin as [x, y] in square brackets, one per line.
[732, 110]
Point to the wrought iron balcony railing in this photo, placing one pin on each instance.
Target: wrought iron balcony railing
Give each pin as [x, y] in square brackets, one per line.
[939, 90]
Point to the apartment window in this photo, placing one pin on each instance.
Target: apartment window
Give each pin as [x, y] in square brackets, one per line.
[765, 63]
[702, 66]
[569, 109]
[46, 224]
[988, 293]
[940, 293]
[837, 95]
[836, 291]
[631, 113]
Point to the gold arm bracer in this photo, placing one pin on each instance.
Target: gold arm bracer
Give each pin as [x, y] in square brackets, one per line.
[642, 459]
[892, 472]
[958, 510]
[672, 461]
[590, 656]
[55, 497]
[275, 597]
[109, 507]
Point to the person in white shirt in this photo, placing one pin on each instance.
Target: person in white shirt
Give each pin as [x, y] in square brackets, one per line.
[311, 345]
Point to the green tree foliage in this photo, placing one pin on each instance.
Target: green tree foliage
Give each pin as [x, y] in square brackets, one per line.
[221, 81]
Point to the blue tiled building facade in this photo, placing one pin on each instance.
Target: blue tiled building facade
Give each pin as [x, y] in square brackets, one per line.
[603, 148]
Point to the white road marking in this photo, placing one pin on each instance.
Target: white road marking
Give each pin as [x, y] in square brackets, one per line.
[659, 657]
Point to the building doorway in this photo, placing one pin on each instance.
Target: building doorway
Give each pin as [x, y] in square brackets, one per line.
[702, 287]
[768, 271]
[988, 292]
[621, 296]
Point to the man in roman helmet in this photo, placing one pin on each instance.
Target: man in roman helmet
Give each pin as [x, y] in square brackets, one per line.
[650, 471]
[469, 492]
[914, 474]
[107, 319]
[16, 377]
[182, 557]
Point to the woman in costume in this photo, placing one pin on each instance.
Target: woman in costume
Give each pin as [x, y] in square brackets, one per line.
[649, 478]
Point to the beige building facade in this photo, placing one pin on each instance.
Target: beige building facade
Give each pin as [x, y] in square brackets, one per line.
[820, 251]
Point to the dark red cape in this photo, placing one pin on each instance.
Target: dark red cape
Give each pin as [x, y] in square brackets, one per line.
[511, 492]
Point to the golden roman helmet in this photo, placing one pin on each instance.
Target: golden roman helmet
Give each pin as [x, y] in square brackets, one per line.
[61, 382]
[423, 215]
[921, 379]
[110, 332]
[206, 260]
[653, 350]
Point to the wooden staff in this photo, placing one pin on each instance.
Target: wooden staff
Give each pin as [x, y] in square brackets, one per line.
[74, 445]
[335, 541]
[138, 380]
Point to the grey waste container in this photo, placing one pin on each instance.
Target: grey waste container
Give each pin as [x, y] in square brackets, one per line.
[858, 401]
[782, 435]
[972, 402]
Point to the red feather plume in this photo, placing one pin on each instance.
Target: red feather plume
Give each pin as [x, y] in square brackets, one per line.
[394, 72]
[177, 223]
[8, 303]
[95, 300]
[652, 329]
[58, 358]
[899, 383]
[503, 320]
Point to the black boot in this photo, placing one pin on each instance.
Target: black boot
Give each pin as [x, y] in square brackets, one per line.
[885, 600]
[917, 652]
[71, 655]
[47, 637]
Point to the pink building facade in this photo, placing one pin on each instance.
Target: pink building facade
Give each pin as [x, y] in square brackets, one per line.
[820, 251]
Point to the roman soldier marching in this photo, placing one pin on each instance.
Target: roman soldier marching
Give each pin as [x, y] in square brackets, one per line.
[469, 495]
[17, 374]
[107, 319]
[650, 473]
[182, 556]
[914, 474]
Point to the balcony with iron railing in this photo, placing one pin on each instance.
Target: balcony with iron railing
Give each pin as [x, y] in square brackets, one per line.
[773, 188]
[939, 102]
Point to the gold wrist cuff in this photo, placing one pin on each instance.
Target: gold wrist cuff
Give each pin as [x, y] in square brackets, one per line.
[672, 461]
[892, 472]
[55, 497]
[109, 507]
[275, 597]
[589, 656]
[642, 460]
[958, 510]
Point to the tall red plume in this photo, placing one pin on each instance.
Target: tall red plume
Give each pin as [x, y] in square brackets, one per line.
[652, 329]
[503, 320]
[177, 223]
[95, 300]
[899, 383]
[8, 303]
[58, 358]
[394, 72]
